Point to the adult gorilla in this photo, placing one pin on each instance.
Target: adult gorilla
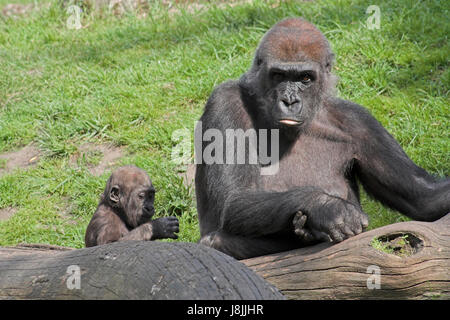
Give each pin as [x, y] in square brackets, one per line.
[326, 145]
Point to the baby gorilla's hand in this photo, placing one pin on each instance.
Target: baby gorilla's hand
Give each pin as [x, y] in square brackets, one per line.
[166, 227]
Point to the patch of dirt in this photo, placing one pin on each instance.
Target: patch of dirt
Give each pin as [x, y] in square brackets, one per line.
[116, 7]
[109, 155]
[142, 7]
[34, 72]
[119, 7]
[12, 97]
[192, 5]
[25, 157]
[7, 213]
[16, 10]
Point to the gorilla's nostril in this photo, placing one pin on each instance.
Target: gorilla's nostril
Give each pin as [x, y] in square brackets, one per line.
[285, 102]
[289, 102]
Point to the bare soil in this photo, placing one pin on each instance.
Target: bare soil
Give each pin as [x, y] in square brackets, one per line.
[25, 157]
[7, 213]
[110, 155]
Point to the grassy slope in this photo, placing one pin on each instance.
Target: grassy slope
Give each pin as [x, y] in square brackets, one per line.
[134, 81]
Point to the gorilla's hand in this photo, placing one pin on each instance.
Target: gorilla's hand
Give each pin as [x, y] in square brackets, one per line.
[165, 227]
[336, 217]
[307, 235]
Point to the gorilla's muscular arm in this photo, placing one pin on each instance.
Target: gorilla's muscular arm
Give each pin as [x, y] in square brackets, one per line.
[388, 174]
[261, 213]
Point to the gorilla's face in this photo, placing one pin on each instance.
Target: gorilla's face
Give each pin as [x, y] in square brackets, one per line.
[139, 205]
[290, 75]
[290, 93]
[130, 190]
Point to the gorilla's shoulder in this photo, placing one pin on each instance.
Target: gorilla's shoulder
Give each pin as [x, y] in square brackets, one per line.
[225, 93]
[349, 109]
[356, 116]
[225, 97]
[225, 107]
[232, 85]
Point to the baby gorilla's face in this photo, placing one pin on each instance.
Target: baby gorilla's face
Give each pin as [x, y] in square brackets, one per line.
[139, 207]
[131, 190]
[138, 200]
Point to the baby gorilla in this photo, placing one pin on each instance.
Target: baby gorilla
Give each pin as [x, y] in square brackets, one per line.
[125, 211]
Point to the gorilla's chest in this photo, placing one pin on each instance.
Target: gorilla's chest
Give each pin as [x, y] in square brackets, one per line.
[313, 161]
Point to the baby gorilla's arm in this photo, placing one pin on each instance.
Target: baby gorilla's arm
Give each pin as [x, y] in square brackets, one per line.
[160, 228]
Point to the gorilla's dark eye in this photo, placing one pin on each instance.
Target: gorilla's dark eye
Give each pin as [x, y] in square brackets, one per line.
[277, 76]
[306, 79]
[141, 195]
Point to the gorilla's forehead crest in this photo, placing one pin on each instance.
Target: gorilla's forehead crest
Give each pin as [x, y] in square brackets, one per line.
[295, 39]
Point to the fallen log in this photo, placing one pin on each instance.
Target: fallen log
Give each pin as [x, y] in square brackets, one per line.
[408, 260]
[128, 270]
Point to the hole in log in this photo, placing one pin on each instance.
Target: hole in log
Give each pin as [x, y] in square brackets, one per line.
[399, 244]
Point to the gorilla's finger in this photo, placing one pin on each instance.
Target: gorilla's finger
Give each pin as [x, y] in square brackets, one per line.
[348, 232]
[322, 236]
[299, 232]
[336, 235]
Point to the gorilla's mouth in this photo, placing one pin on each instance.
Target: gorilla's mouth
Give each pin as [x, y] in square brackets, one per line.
[146, 214]
[290, 122]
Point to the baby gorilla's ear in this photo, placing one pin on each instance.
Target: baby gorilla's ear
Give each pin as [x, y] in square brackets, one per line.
[114, 194]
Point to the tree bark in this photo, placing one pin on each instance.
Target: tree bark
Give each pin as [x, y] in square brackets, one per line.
[414, 264]
[128, 270]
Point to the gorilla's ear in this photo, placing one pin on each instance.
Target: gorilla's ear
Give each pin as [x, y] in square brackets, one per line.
[329, 62]
[249, 80]
[114, 194]
[248, 83]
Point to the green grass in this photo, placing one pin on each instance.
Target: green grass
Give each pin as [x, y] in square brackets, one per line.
[132, 81]
[399, 245]
[381, 246]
